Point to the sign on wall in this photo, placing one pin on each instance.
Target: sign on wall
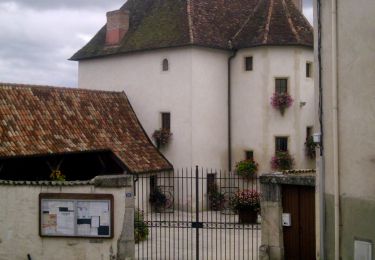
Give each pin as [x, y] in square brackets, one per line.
[76, 215]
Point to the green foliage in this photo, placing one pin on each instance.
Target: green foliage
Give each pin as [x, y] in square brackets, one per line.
[140, 227]
[57, 176]
[216, 198]
[247, 168]
[310, 146]
[282, 161]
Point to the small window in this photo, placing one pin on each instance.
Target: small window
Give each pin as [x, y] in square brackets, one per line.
[166, 121]
[281, 85]
[308, 70]
[165, 65]
[249, 155]
[281, 144]
[309, 132]
[248, 63]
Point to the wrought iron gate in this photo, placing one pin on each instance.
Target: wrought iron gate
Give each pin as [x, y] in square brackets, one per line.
[189, 214]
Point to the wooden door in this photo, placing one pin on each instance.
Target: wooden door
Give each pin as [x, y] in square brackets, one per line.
[299, 238]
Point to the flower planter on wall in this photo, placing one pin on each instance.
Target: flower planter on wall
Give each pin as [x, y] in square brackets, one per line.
[281, 101]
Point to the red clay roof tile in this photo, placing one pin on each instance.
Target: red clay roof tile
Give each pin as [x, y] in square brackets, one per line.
[36, 120]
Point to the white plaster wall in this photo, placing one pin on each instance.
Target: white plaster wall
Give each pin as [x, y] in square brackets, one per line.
[19, 226]
[193, 91]
[210, 108]
[151, 91]
[255, 122]
[356, 97]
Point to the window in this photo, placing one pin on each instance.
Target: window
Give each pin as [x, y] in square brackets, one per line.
[249, 155]
[308, 70]
[165, 65]
[281, 144]
[309, 131]
[166, 121]
[281, 85]
[248, 63]
[153, 183]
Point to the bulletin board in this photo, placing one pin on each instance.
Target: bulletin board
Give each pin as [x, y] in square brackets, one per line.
[76, 215]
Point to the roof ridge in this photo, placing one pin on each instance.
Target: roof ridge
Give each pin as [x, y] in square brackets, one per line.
[247, 20]
[268, 22]
[292, 27]
[59, 88]
[189, 11]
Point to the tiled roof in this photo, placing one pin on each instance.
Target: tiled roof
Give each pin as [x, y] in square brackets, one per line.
[208, 23]
[38, 120]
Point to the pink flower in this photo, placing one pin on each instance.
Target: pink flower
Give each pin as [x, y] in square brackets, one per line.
[281, 101]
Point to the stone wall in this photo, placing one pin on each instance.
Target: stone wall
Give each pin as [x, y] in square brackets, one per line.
[19, 221]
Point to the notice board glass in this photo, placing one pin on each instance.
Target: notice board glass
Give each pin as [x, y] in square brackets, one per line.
[76, 215]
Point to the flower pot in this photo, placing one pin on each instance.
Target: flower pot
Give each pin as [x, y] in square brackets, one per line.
[247, 216]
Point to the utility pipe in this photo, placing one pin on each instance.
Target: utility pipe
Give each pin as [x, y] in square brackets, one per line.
[231, 57]
[321, 144]
[335, 134]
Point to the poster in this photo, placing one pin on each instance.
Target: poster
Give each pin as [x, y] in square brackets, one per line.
[75, 217]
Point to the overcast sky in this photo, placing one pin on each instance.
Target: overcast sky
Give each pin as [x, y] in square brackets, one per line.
[37, 37]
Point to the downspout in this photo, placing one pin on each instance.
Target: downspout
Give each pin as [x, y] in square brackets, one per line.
[321, 145]
[335, 130]
[231, 57]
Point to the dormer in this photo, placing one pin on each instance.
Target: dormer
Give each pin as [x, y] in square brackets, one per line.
[117, 26]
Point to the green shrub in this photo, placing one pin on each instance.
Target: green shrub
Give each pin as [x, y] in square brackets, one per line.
[140, 227]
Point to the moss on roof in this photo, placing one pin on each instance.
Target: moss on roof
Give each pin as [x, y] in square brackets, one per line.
[170, 23]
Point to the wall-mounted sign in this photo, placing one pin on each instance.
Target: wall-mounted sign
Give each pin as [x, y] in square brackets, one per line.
[76, 215]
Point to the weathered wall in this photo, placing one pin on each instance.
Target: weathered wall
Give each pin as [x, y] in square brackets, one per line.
[356, 122]
[19, 224]
[255, 121]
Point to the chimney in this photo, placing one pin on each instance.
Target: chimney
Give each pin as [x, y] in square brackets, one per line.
[298, 4]
[117, 26]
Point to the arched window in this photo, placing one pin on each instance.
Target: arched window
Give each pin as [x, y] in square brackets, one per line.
[165, 65]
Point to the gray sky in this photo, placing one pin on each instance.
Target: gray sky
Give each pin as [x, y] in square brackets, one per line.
[39, 36]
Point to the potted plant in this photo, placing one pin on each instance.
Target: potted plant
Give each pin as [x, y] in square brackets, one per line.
[216, 198]
[162, 136]
[247, 168]
[281, 101]
[310, 146]
[158, 200]
[282, 161]
[247, 204]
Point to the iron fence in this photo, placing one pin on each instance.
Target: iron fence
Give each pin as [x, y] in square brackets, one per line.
[190, 214]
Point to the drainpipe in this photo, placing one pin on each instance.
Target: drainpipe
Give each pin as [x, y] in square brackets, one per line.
[321, 145]
[335, 129]
[231, 57]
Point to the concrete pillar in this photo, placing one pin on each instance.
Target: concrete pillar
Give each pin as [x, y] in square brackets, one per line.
[125, 243]
[272, 232]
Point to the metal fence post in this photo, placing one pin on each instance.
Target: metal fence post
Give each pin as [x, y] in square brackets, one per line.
[197, 209]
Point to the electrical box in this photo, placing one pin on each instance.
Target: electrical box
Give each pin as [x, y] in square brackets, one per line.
[286, 220]
[362, 250]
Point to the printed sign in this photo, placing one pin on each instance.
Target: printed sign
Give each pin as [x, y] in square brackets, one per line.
[76, 215]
